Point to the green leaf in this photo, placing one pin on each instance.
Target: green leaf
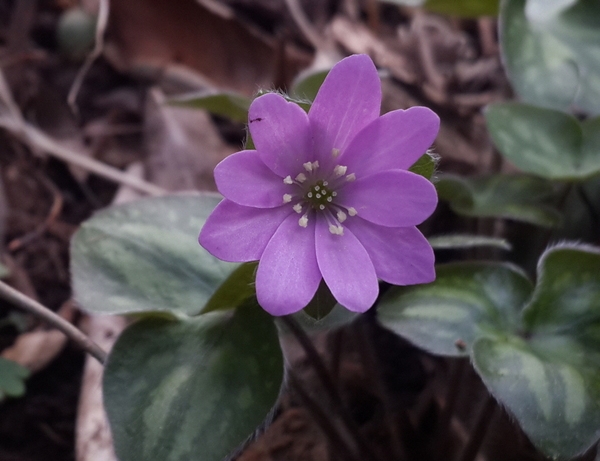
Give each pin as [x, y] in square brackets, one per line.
[145, 257]
[465, 8]
[463, 241]
[307, 85]
[546, 142]
[192, 388]
[555, 62]
[466, 301]
[229, 105]
[12, 379]
[337, 317]
[235, 290]
[537, 351]
[425, 166]
[518, 197]
[544, 10]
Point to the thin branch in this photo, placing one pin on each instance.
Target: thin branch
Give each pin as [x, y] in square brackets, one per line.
[101, 23]
[12, 120]
[21, 301]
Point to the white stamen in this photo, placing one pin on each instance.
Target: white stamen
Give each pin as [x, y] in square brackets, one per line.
[340, 170]
[329, 199]
[308, 166]
[341, 216]
[288, 180]
[303, 221]
[351, 177]
[321, 207]
[317, 188]
[315, 164]
[334, 193]
[352, 211]
[325, 184]
[301, 177]
[309, 195]
[336, 230]
[335, 152]
[318, 196]
[287, 198]
[297, 208]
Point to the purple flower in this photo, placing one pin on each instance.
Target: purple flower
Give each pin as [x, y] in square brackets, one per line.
[327, 195]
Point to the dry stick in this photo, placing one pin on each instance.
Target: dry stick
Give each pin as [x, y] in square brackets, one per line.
[12, 120]
[479, 431]
[23, 302]
[322, 419]
[103, 13]
[327, 383]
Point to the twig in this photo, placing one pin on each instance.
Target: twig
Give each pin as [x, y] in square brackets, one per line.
[12, 120]
[103, 13]
[23, 302]
[304, 24]
[327, 383]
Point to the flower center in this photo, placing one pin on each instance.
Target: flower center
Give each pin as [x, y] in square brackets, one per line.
[312, 194]
[319, 196]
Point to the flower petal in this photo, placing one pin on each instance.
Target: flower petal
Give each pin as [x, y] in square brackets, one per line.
[395, 198]
[244, 179]
[237, 233]
[401, 255]
[348, 100]
[346, 268]
[281, 134]
[288, 275]
[395, 140]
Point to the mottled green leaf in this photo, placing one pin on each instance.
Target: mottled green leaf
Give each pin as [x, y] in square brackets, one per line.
[465, 8]
[463, 241]
[307, 85]
[555, 62]
[235, 290]
[144, 256]
[466, 301]
[518, 197]
[192, 388]
[546, 142]
[544, 10]
[12, 379]
[229, 105]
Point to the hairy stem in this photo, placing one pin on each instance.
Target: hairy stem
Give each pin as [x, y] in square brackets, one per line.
[21, 301]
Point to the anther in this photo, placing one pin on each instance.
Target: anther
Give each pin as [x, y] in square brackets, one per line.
[325, 184]
[318, 196]
[321, 207]
[352, 211]
[288, 180]
[351, 177]
[308, 166]
[334, 193]
[317, 188]
[335, 152]
[309, 195]
[329, 199]
[301, 177]
[315, 164]
[297, 208]
[340, 170]
[336, 230]
[287, 198]
[341, 216]
[303, 221]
